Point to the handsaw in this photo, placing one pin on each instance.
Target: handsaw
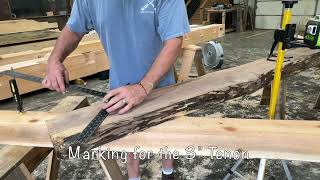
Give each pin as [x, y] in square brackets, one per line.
[94, 124]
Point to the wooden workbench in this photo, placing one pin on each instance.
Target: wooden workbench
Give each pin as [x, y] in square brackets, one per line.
[235, 17]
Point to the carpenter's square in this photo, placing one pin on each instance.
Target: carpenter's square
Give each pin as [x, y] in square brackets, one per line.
[39, 80]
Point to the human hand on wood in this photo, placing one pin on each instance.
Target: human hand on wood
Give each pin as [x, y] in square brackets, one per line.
[57, 77]
[124, 98]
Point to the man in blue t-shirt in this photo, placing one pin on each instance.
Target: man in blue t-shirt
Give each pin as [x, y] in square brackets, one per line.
[142, 39]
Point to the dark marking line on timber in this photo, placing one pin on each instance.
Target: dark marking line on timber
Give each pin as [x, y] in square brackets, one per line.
[232, 129]
[33, 120]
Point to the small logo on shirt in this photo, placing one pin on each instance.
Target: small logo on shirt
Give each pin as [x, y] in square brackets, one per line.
[148, 7]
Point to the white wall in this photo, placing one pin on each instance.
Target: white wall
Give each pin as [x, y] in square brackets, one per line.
[268, 13]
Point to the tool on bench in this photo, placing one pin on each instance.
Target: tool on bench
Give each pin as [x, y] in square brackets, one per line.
[87, 131]
[312, 33]
[286, 36]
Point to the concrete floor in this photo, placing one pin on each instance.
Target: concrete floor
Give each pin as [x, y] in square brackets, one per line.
[240, 48]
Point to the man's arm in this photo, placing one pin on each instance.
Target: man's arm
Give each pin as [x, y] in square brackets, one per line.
[57, 76]
[162, 64]
[125, 98]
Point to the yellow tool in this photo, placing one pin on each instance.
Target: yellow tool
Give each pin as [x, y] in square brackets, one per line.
[288, 5]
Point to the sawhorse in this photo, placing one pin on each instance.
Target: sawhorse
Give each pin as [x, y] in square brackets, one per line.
[280, 114]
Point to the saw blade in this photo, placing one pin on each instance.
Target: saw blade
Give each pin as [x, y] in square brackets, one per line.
[39, 80]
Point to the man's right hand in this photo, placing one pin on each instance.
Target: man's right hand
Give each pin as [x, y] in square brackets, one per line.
[57, 77]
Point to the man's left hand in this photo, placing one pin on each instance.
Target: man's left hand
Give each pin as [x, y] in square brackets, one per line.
[124, 98]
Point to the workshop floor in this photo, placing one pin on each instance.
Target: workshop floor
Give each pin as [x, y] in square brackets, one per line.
[240, 48]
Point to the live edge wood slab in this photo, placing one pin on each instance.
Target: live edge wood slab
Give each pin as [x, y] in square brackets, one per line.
[249, 138]
[165, 104]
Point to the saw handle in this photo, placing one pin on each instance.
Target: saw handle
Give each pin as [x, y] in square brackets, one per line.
[16, 95]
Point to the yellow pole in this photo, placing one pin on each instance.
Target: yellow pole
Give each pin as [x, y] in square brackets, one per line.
[278, 69]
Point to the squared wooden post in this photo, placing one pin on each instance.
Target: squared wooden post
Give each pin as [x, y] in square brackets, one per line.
[25, 172]
[281, 104]
[198, 63]
[266, 93]
[239, 26]
[245, 15]
[202, 17]
[317, 105]
[5, 11]
[187, 59]
[68, 104]
[223, 16]
[112, 169]
[28, 158]
[208, 17]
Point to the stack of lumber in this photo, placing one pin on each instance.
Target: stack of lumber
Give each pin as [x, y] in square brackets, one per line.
[79, 65]
[23, 25]
[296, 140]
[27, 37]
[22, 31]
[88, 59]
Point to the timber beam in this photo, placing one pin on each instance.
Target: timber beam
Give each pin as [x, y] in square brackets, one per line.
[252, 138]
[12, 156]
[27, 158]
[249, 138]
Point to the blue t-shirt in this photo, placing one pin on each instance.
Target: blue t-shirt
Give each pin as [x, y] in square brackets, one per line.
[132, 33]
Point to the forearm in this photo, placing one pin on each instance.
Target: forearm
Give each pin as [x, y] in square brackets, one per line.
[65, 45]
[164, 61]
[124, 98]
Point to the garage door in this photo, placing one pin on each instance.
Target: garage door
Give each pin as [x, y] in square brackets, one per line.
[268, 13]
